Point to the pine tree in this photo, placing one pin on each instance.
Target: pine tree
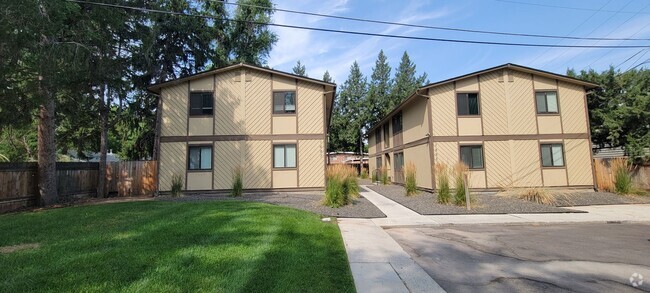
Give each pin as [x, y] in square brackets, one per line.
[300, 69]
[327, 77]
[347, 121]
[406, 81]
[377, 103]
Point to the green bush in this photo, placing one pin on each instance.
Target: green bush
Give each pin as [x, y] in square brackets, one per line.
[177, 185]
[364, 174]
[622, 181]
[459, 197]
[341, 187]
[410, 179]
[375, 176]
[237, 184]
[444, 193]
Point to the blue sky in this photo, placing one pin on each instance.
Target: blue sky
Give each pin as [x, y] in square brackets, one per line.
[321, 51]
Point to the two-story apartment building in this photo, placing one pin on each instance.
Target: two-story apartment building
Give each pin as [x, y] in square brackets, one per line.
[269, 124]
[513, 126]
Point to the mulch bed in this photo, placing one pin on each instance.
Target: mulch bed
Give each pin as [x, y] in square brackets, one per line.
[585, 198]
[425, 203]
[360, 207]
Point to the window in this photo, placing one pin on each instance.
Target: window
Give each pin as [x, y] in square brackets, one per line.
[397, 123]
[472, 156]
[467, 104]
[284, 156]
[386, 136]
[201, 103]
[399, 161]
[552, 155]
[200, 158]
[546, 102]
[378, 161]
[284, 102]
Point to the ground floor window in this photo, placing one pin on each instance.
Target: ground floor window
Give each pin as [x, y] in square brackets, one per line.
[200, 157]
[552, 155]
[399, 162]
[284, 156]
[472, 156]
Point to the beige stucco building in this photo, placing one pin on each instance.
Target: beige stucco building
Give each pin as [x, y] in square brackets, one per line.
[271, 124]
[512, 125]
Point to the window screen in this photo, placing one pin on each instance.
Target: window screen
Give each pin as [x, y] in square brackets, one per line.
[200, 158]
[468, 104]
[201, 103]
[284, 156]
[546, 102]
[472, 156]
[284, 102]
[552, 155]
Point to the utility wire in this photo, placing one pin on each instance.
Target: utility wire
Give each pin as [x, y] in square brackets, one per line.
[433, 27]
[359, 32]
[637, 60]
[566, 7]
[628, 59]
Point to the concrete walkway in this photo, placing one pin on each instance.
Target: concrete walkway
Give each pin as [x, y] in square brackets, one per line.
[379, 264]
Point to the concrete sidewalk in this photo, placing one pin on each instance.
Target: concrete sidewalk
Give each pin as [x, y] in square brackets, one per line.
[379, 264]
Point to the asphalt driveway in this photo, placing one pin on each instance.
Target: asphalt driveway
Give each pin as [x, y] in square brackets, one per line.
[593, 257]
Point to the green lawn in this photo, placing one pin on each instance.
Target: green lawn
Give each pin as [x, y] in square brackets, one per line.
[221, 246]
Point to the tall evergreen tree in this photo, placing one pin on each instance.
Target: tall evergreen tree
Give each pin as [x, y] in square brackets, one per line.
[406, 81]
[249, 39]
[327, 77]
[299, 69]
[377, 103]
[347, 120]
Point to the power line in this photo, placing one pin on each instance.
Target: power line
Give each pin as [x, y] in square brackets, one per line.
[628, 59]
[566, 7]
[434, 27]
[637, 60]
[359, 32]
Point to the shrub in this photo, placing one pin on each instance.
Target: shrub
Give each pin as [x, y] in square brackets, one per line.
[364, 174]
[622, 177]
[410, 180]
[375, 176]
[459, 197]
[341, 187]
[237, 183]
[177, 185]
[442, 178]
[384, 175]
[537, 195]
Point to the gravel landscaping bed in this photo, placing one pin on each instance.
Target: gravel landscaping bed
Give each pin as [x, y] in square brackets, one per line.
[585, 198]
[425, 203]
[308, 201]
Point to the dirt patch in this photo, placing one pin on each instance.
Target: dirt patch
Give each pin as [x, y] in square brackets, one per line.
[19, 247]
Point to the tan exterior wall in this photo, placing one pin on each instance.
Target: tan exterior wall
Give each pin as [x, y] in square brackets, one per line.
[259, 103]
[174, 110]
[498, 163]
[419, 155]
[228, 104]
[199, 180]
[549, 124]
[521, 104]
[257, 173]
[525, 163]
[554, 177]
[201, 126]
[443, 110]
[284, 124]
[578, 161]
[202, 84]
[470, 126]
[372, 147]
[310, 108]
[446, 153]
[285, 178]
[414, 121]
[572, 108]
[172, 162]
[311, 158]
[228, 156]
[494, 104]
[469, 84]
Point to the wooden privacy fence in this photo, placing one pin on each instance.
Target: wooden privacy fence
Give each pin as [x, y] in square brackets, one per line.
[19, 181]
[604, 173]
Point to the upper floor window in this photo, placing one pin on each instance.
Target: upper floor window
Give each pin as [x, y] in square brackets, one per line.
[284, 156]
[284, 102]
[378, 135]
[201, 103]
[386, 135]
[467, 104]
[546, 102]
[397, 123]
[200, 158]
[472, 156]
[552, 155]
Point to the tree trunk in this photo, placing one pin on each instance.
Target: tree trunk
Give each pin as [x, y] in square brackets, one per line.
[47, 185]
[103, 142]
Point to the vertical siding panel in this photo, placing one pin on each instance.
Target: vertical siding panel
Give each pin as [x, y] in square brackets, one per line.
[572, 108]
[310, 108]
[172, 162]
[493, 104]
[258, 158]
[174, 112]
[227, 156]
[258, 103]
[443, 105]
[525, 163]
[447, 153]
[521, 110]
[310, 153]
[498, 164]
[229, 108]
[578, 161]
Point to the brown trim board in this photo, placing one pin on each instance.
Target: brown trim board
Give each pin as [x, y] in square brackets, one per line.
[510, 137]
[241, 137]
[414, 143]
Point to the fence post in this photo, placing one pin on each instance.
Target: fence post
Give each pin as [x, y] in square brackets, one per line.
[466, 189]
